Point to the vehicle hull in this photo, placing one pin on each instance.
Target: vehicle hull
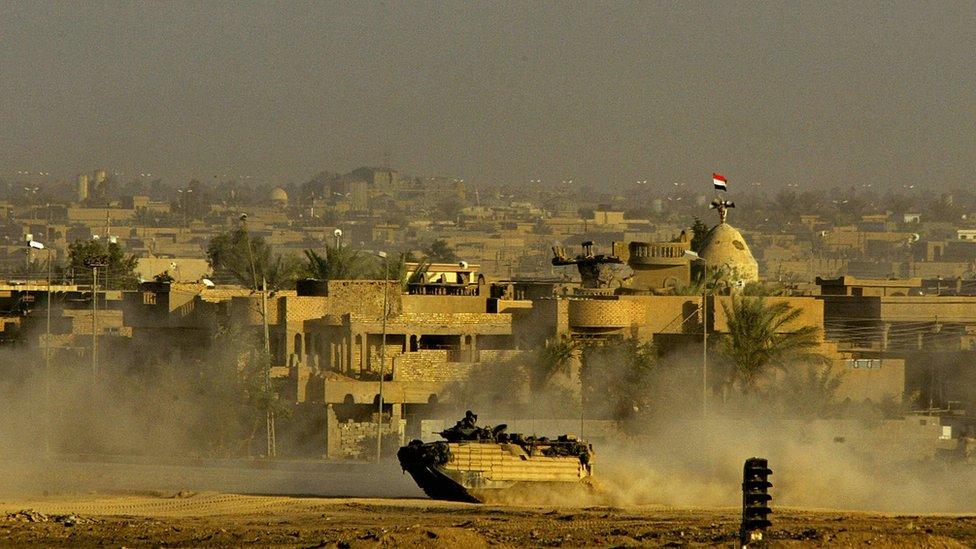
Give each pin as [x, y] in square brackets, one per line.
[484, 472]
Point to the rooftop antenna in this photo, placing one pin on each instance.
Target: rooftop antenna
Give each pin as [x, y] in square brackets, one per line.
[720, 183]
[722, 206]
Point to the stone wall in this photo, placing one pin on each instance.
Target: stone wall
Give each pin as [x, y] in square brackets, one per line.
[444, 304]
[811, 312]
[429, 365]
[496, 320]
[497, 356]
[357, 440]
[364, 296]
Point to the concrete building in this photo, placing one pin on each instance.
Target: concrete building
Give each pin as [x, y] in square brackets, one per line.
[82, 187]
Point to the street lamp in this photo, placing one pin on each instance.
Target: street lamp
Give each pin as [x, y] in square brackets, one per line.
[695, 258]
[31, 192]
[184, 195]
[379, 407]
[272, 444]
[47, 345]
[95, 262]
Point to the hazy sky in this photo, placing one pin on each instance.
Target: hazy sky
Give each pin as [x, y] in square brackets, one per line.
[813, 92]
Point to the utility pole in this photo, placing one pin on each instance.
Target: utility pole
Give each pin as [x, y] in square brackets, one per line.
[705, 351]
[95, 263]
[272, 443]
[694, 257]
[270, 419]
[47, 348]
[582, 396]
[94, 357]
[47, 361]
[379, 407]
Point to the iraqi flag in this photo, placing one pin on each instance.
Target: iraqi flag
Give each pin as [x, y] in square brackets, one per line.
[720, 182]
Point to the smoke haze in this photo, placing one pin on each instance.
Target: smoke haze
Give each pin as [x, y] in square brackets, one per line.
[826, 93]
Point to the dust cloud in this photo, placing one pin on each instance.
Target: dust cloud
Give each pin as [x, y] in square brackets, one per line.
[156, 420]
[653, 447]
[815, 465]
[191, 424]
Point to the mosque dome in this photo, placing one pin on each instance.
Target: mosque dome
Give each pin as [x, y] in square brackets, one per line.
[725, 248]
[278, 196]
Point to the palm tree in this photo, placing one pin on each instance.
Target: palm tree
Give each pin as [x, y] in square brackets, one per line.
[759, 339]
[713, 279]
[620, 374]
[247, 259]
[809, 391]
[399, 271]
[338, 263]
[549, 361]
[281, 271]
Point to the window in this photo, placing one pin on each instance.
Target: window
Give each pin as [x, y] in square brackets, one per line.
[863, 364]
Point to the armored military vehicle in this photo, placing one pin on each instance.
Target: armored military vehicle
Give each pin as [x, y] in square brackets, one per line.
[483, 464]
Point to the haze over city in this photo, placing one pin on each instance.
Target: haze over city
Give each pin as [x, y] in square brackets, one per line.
[826, 93]
[516, 274]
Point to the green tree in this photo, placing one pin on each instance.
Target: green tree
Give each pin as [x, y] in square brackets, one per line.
[808, 391]
[759, 339]
[450, 207]
[715, 280]
[232, 391]
[193, 201]
[338, 263]
[247, 259]
[399, 271]
[698, 231]
[620, 375]
[36, 268]
[440, 251]
[549, 361]
[119, 272]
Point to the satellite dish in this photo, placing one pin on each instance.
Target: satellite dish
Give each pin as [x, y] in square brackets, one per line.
[823, 234]
[337, 233]
[463, 264]
[914, 238]
[208, 283]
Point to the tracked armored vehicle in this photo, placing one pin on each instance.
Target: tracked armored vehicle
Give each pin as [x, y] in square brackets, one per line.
[482, 465]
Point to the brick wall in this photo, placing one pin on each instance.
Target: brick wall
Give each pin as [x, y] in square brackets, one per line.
[357, 439]
[492, 356]
[363, 296]
[428, 365]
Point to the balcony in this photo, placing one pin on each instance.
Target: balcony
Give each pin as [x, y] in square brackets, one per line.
[669, 253]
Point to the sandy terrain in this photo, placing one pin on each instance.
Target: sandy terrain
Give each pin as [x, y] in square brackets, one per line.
[219, 519]
[83, 502]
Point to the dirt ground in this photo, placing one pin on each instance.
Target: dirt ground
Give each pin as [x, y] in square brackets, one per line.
[220, 519]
